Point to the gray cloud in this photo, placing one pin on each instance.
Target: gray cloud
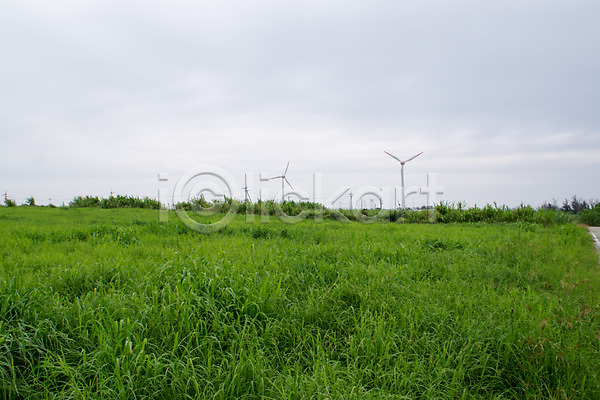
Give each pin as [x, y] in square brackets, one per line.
[496, 95]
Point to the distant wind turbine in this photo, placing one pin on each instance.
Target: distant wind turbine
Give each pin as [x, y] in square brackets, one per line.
[247, 193]
[283, 182]
[402, 170]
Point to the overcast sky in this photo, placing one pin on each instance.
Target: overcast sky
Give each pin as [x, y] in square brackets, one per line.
[502, 97]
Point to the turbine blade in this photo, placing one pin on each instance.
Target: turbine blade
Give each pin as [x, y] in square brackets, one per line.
[288, 182]
[286, 168]
[393, 156]
[275, 177]
[412, 158]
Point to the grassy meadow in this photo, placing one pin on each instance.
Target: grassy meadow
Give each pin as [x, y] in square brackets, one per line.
[110, 303]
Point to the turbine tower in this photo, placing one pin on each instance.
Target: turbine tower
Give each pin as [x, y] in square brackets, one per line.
[283, 182]
[402, 170]
[247, 193]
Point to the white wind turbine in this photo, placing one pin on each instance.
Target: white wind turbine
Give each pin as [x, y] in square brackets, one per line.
[283, 182]
[402, 171]
[246, 192]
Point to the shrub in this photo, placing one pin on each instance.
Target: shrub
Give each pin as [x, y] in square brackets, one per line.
[591, 216]
[198, 203]
[87, 201]
[448, 213]
[10, 203]
[115, 202]
[418, 216]
[183, 205]
[577, 205]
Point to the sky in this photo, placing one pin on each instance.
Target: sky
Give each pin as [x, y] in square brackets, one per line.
[100, 97]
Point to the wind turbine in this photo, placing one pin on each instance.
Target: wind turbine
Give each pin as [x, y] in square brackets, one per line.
[283, 181]
[247, 193]
[402, 163]
[350, 200]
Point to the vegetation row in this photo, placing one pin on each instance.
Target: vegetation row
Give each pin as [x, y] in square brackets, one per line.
[573, 210]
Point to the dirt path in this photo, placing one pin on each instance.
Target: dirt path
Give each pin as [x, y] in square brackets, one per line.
[595, 231]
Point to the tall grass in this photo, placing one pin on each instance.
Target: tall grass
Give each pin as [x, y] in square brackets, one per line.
[112, 304]
[443, 212]
[118, 201]
[590, 216]
[446, 212]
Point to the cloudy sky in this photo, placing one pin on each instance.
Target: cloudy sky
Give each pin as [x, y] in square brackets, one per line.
[502, 97]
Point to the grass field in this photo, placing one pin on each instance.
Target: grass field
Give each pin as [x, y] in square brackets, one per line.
[111, 304]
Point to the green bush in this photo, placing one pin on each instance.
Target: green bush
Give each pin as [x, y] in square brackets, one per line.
[450, 213]
[418, 217]
[114, 202]
[591, 216]
[84, 202]
[10, 203]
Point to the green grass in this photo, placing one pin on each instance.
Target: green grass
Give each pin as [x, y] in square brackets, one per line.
[111, 304]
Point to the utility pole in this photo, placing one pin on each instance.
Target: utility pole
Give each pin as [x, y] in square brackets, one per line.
[350, 201]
